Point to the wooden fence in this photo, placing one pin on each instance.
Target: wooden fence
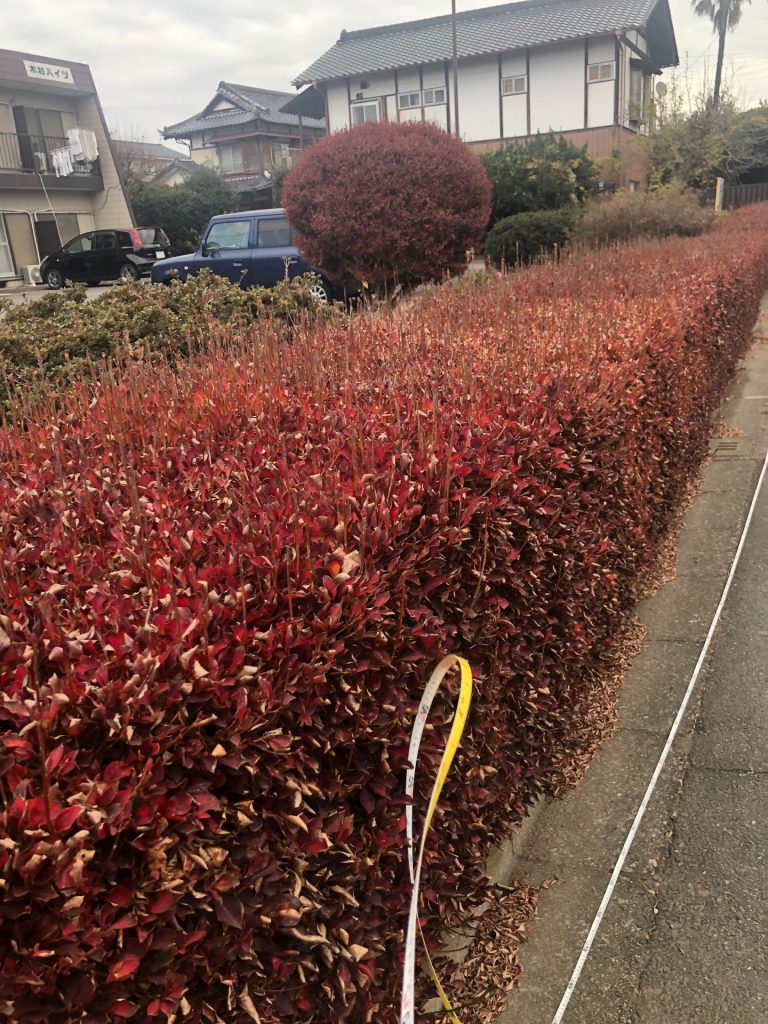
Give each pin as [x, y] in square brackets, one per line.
[735, 196]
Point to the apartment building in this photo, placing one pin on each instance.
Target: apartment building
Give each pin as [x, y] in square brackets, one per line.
[58, 174]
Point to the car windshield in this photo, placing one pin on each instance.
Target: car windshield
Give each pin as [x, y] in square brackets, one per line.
[229, 234]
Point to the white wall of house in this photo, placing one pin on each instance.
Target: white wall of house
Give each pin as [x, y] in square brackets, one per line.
[205, 156]
[338, 105]
[514, 107]
[601, 96]
[553, 91]
[557, 83]
[479, 99]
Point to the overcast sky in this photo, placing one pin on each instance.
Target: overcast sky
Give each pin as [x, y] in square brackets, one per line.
[156, 62]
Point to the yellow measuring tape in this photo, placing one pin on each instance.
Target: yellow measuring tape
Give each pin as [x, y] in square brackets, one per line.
[407, 1006]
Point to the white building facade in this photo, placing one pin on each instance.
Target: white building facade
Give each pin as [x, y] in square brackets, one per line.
[583, 68]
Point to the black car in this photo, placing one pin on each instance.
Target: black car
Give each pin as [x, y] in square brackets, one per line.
[106, 255]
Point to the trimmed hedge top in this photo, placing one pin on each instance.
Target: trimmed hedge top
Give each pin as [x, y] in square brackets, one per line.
[224, 586]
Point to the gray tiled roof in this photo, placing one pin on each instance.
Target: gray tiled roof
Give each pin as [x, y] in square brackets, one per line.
[497, 29]
[250, 102]
[153, 150]
[250, 183]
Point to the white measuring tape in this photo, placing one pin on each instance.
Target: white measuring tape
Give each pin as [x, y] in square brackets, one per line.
[660, 765]
[460, 719]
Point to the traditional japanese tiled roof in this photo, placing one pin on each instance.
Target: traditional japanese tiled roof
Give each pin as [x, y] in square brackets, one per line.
[250, 183]
[485, 31]
[249, 104]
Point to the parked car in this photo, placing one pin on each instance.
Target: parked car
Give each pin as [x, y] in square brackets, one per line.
[108, 254]
[250, 248]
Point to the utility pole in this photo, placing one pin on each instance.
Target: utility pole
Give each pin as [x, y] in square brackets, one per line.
[455, 71]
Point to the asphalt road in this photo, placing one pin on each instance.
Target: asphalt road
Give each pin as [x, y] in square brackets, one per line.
[685, 936]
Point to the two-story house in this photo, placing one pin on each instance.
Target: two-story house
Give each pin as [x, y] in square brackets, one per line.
[58, 175]
[152, 162]
[243, 133]
[581, 68]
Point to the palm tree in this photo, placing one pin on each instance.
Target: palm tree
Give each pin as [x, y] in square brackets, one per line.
[724, 15]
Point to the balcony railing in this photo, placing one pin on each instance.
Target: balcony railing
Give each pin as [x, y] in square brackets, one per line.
[33, 153]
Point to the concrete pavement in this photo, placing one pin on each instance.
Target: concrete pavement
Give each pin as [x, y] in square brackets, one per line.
[685, 937]
[17, 295]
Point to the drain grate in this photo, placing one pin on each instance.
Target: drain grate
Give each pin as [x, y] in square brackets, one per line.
[732, 448]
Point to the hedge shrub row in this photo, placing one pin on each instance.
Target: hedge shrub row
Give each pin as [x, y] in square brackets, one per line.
[629, 215]
[223, 588]
[50, 340]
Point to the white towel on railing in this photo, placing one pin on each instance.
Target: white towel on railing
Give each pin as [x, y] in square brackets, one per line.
[82, 143]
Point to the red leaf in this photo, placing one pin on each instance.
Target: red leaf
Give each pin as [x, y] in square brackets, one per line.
[67, 818]
[162, 903]
[126, 921]
[229, 910]
[53, 759]
[120, 896]
[124, 967]
[123, 1008]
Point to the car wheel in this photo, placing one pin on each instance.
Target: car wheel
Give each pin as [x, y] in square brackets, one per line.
[320, 291]
[128, 272]
[54, 278]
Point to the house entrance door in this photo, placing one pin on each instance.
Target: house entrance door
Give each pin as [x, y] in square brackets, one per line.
[48, 240]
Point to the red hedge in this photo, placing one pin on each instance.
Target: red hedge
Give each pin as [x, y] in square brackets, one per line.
[222, 591]
[388, 202]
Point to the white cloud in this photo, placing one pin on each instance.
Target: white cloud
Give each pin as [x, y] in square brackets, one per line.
[156, 63]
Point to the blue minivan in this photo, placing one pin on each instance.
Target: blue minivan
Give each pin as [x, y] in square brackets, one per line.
[250, 249]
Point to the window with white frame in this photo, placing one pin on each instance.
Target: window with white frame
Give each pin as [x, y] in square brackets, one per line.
[604, 72]
[434, 96]
[283, 154]
[366, 110]
[406, 100]
[6, 260]
[515, 85]
[231, 157]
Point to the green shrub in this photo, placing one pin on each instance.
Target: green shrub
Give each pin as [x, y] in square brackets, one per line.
[546, 173]
[184, 210]
[526, 236]
[628, 215]
[48, 341]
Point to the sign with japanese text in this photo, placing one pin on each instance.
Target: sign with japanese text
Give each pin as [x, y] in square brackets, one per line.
[50, 72]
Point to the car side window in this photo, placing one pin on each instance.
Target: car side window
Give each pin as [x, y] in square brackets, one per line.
[104, 240]
[124, 240]
[229, 234]
[274, 232]
[81, 244]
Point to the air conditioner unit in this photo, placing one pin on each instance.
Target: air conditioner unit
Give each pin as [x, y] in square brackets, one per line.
[31, 274]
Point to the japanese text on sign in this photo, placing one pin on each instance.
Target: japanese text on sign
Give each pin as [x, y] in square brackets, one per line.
[51, 72]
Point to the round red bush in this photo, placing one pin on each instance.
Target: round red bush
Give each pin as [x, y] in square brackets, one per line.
[388, 202]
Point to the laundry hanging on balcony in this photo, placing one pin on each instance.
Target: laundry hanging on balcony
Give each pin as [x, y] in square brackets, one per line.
[82, 148]
[82, 143]
[62, 161]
